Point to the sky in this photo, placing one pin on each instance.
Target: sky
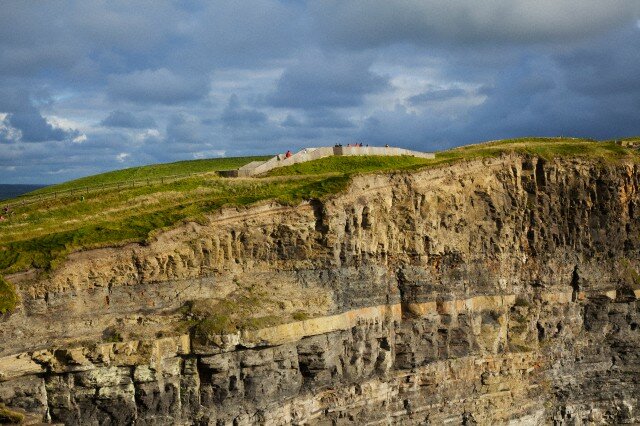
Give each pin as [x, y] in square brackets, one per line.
[90, 86]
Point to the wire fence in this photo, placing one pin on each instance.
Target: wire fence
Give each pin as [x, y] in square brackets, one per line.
[81, 191]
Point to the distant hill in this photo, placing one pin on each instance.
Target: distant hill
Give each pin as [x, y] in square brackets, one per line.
[10, 191]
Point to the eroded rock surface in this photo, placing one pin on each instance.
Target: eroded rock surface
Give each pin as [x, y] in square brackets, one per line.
[496, 291]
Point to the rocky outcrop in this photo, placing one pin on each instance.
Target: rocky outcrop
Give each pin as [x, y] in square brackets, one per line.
[496, 291]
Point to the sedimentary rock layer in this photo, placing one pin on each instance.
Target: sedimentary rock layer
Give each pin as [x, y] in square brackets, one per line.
[496, 291]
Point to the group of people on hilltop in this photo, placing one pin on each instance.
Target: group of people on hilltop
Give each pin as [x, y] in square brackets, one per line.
[349, 145]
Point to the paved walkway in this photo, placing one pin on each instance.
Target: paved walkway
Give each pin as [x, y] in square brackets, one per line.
[309, 154]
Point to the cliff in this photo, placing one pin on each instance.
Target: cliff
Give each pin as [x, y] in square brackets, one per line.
[503, 290]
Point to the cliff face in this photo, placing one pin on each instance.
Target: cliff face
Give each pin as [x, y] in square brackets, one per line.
[495, 291]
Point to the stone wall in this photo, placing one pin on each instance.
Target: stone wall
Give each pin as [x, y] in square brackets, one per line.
[310, 154]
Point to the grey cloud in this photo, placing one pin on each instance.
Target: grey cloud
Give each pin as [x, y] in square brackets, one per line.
[600, 71]
[292, 121]
[35, 128]
[183, 129]
[7, 133]
[319, 119]
[23, 115]
[436, 96]
[29, 43]
[235, 115]
[368, 23]
[319, 81]
[135, 29]
[244, 33]
[161, 86]
[410, 130]
[128, 120]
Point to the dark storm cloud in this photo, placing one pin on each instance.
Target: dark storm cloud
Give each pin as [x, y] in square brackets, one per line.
[128, 120]
[570, 93]
[579, 92]
[318, 81]
[608, 68]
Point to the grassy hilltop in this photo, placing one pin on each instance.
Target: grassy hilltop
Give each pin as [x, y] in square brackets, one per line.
[153, 172]
[41, 233]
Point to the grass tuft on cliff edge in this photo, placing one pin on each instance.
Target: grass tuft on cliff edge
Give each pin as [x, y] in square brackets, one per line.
[41, 234]
[10, 417]
[8, 296]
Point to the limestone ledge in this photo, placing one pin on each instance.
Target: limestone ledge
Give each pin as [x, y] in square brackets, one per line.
[59, 360]
[294, 331]
[152, 352]
[481, 303]
[406, 394]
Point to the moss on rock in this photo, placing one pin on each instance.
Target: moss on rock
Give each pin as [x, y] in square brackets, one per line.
[8, 296]
[8, 416]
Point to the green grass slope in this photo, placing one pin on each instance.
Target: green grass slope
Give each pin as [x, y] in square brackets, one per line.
[41, 234]
[153, 172]
[8, 296]
[347, 165]
[547, 148]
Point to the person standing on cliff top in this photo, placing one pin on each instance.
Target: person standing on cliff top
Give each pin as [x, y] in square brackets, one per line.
[288, 154]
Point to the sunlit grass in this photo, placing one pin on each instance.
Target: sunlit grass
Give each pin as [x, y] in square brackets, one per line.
[547, 148]
[8, 296]
[151, 172]
[351, 164]
[39, 235]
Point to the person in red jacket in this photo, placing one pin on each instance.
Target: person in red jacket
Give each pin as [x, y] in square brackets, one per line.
[288, 154]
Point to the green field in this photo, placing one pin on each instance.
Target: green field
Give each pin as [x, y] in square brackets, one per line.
[41, 234]
[346, 165]
[155, 171]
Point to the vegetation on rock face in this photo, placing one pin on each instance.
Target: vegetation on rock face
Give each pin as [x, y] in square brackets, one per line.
[8, 296]
[216, 317]
[8, 416]
[252, 307]
[41, 234]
